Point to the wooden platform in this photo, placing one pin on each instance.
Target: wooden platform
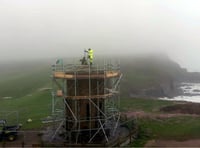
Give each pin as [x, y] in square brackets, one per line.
[91, 97]
[107, 74]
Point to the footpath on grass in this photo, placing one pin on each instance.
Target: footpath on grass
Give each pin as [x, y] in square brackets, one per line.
[173, 143]
[171, 126]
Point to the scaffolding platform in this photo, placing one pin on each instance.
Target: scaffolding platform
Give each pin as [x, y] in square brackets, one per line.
[89, 98]
[65, 75]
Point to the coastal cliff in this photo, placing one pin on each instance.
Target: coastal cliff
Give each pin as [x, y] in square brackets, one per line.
[154, 76]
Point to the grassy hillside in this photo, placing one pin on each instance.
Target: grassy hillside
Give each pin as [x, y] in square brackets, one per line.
[20, 79]
[20, 85]
[143, 104]
[175, 128]
[36, 106]
[141, 76]
[150, 76]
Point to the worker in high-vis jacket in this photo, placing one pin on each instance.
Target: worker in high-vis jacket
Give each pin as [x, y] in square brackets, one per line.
[90, 55]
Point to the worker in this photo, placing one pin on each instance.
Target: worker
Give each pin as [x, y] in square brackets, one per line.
[90, 55]
[84, 61]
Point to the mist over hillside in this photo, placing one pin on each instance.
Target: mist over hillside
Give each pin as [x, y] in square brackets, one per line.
[143, 76]
[18, 79]
[154, 76]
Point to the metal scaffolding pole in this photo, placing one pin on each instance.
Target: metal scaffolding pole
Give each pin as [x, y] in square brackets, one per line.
[91, 114]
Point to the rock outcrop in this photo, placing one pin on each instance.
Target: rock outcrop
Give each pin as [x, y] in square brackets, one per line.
[154, 76]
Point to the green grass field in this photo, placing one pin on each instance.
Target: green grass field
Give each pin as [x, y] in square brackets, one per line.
[178, 128]
[141, 104]
[20, 79]
[35, 107]
[21, 83]
[175, 128]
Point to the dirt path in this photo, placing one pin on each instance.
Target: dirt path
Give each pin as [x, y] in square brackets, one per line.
[142, 114]
[173, 143]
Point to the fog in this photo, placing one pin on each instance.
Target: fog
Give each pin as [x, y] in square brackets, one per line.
[32, 29]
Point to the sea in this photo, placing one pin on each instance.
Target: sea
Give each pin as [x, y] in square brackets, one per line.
[191, 93]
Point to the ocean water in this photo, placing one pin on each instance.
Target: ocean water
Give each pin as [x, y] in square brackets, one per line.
[191, 93]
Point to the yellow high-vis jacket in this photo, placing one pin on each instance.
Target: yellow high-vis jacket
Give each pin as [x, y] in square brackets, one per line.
[90, 54]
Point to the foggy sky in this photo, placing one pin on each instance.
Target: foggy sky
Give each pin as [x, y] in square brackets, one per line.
[53, 28]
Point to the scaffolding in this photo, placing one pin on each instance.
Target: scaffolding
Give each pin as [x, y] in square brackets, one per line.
[85, 101]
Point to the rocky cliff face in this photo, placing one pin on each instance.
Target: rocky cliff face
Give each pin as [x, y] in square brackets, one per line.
[153, 76]
[165, 89]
